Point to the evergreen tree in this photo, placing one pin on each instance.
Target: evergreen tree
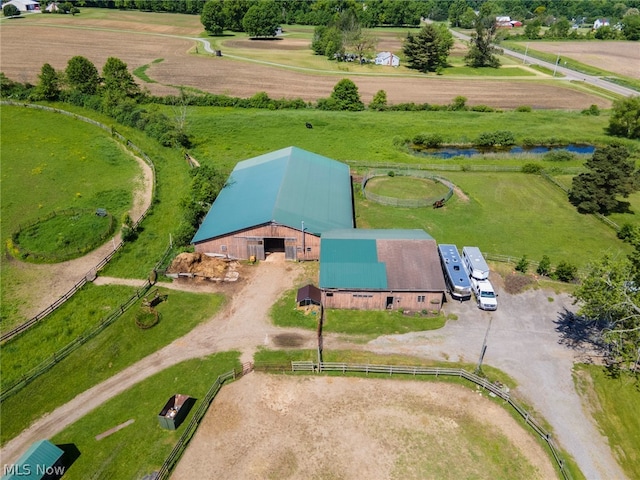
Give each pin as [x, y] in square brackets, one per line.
[611, 174]
[429, 49]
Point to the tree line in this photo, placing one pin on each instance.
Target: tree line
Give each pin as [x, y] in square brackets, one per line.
[387, 12]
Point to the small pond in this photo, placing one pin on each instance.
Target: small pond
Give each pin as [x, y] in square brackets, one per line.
[450, 152]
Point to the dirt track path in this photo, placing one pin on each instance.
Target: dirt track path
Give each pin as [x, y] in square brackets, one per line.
[522, 340]
[242, 325]
[52, 281]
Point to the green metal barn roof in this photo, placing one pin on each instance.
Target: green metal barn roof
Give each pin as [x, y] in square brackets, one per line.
[288, 186]
[33, 463]
[349, 258]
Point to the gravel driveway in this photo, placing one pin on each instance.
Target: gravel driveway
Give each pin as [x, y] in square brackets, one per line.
[524, 342]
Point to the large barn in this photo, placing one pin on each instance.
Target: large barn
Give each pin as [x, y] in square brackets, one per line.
[381, 269]
[281, 201]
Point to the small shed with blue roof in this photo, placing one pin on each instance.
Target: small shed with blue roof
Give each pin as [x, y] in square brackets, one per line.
[281, 201]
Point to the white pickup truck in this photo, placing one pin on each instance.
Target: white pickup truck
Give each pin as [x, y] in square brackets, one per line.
[485, 295]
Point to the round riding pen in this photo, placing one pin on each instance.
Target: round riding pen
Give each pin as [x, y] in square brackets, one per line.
[435, 200]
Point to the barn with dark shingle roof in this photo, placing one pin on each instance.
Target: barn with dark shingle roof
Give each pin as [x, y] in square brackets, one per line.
[282, 201]
[381, 269]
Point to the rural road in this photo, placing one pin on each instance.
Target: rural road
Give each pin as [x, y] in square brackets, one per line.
[567, 73]
[523, 340]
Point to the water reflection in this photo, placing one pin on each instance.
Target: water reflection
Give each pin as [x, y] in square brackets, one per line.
[450, 152]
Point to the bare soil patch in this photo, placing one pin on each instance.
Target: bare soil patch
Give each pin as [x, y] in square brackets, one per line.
[222, 75]
[617, 57]
[517, 283]
[266, 426]
[200, 265]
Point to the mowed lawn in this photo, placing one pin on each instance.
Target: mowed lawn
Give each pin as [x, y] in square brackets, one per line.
[511, 214]
[54, 162]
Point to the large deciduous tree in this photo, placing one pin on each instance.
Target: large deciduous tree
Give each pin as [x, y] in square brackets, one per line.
[611, 175]
[82, 75]
[610, 295]
[631, 27]
[345, 96]
[429, 49]
[456, 10]
[117, 79]
[48, 87]
[213, 17]
[262, 19]
[625, 119]
[482, 53]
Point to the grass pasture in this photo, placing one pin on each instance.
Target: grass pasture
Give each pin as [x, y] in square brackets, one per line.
[140, 448]
[510, 214]
[406, 187]
[615, 403]
[118, 346]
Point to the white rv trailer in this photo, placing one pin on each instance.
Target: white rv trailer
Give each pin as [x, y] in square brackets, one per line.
[475, 263]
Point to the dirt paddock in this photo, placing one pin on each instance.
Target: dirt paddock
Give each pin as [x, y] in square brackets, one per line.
[271, 426]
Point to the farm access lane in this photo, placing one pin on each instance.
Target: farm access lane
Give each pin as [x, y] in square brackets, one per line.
[567, 72]
[522, 340]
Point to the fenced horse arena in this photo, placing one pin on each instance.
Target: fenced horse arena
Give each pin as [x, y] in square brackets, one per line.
[330, 427]
[435, 200]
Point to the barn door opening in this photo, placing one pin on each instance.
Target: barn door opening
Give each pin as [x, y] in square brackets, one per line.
[389, 302]
[273, 245]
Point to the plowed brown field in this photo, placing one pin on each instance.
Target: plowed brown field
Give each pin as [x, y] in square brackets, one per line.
[617, 57]
[27, 44]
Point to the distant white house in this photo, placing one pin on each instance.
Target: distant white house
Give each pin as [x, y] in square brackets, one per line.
[52, 7]
[600, 22]
[24, 5]
[503, 22]
[387, 58]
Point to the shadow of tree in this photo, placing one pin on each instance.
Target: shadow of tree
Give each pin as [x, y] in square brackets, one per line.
[581, 334]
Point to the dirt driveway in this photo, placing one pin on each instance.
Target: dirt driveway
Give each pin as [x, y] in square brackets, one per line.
[523, 341]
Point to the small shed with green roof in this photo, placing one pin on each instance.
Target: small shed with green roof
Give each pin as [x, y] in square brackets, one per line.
[281, 201]
[381, 269]
[41, 460]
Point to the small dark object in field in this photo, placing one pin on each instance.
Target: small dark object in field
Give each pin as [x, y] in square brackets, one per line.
[308, 125]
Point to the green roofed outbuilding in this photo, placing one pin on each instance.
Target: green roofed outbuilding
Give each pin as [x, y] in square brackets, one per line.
[281, 201]
[41, 460]
[381, 269]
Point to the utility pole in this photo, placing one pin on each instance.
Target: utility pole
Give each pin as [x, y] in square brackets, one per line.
[556, 67]
[484, 348]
